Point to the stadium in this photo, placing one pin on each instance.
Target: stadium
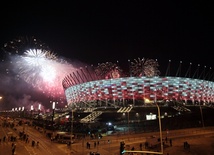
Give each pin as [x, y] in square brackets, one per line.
[108, 86]
[106, 93]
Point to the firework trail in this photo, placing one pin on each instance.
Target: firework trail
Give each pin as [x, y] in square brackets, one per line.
[38, 66]
[144, 67]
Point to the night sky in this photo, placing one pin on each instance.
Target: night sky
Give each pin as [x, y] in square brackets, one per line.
[99, 31]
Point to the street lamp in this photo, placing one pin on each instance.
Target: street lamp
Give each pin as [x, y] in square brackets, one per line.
[160, 128]
[39, 108]
[72, 125]
[128, 122]
[159, 119]
[19, 112]
[53, 108]
[23, 111]
[15, 113]
[128, 110]
[31, 113]
[202, 118]
[1, 97]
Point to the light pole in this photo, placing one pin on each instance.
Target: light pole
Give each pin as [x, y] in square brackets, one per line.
[23, 112]
[53, 108]
[159, 119]
[128, 110]
[0, 99]
[72, 126]
[202, 118]
[39, 108]
[109, 142]
[31, 113]
[160, 128]
[19, 112]
[23, 116]
[15, 113]
[128, 122]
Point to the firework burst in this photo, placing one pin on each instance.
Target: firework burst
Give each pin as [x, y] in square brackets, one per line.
[108, 70]
[38, 67]
[144, 67]
[20, 44]
[40, 53]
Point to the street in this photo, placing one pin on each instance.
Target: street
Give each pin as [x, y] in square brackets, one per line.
[200, 140]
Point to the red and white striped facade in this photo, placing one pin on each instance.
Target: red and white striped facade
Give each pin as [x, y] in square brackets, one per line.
[140, 88]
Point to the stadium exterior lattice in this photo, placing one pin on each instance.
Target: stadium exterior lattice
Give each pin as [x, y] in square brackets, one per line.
[105, 85]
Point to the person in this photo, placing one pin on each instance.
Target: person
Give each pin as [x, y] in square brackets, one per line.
[69, 144]
[166, 139]
[4, 138]
[87, 145]
[33, 143]
[146, 145]
[13, 149]
[141, 146]
[37, 144]
[26, 140]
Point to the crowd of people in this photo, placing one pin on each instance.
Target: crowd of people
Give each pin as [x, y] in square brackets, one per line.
[11, 137]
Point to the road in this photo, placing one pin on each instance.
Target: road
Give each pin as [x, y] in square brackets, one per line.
[25, 148]
[201, 141]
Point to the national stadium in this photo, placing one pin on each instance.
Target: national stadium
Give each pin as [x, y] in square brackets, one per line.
[107, 93]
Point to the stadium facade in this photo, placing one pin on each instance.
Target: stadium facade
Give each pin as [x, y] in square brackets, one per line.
[88, 87]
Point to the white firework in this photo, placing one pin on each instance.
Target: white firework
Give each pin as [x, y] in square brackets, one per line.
[40, 54]
[43, 70]
[144, 67]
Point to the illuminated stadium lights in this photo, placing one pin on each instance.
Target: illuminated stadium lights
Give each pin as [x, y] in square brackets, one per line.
[87, 86]
[140, 88]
